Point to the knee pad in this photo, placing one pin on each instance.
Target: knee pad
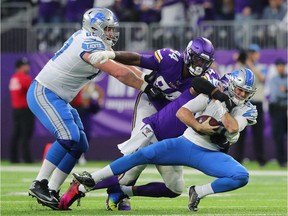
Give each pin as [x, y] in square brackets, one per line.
[76, 149]
[67, 144]
[240, 180]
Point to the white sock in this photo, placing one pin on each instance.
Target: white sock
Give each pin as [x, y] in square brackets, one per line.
[57, 179]
[127, 190]
[82, 188]
[46, 170]
[204, 190]
[102, 174]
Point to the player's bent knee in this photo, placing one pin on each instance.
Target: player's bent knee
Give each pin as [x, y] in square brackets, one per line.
[76, 149]
[240, 180]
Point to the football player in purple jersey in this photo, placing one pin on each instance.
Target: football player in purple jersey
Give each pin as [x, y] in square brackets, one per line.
[173, 73]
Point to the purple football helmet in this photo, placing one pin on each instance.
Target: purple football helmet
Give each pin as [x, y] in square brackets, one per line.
[198, 55]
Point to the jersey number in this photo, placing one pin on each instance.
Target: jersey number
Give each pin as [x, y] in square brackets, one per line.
[174, 55]
[63, 48]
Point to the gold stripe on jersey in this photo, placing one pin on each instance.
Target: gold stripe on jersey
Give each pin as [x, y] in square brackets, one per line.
[135, 109]
[204, 76]
[158, 55]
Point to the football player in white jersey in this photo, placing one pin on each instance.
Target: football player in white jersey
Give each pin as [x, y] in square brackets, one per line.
[200, 151]
[59, 82]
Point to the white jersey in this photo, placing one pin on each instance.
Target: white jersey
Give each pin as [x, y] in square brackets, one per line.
[67, 72]
[203, 105]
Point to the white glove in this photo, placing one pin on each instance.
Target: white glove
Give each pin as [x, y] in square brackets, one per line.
[101, 56]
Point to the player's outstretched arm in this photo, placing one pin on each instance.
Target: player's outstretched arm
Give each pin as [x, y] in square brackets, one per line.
[201, 85]
[125, 75]
[124, 57]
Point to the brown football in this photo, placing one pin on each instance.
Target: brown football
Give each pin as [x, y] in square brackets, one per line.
[212, 122]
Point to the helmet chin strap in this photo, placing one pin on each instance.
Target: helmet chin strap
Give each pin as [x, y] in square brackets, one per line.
[195, 72]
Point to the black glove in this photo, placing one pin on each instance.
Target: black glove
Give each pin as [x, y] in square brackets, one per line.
[150, 78]
[218, 139]
[225, 148]
[221, 141]
[154, 92]
[230, 104]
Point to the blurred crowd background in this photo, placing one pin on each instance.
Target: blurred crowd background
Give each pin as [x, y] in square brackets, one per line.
[148, 24]
[250, 33]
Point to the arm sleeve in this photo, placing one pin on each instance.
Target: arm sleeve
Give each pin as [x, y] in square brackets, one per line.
[202, 85]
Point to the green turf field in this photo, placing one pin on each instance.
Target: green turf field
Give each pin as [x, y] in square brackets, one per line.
[265, 194]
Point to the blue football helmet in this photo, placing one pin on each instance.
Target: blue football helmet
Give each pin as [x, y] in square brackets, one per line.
[103, 23]
[243, 79]
[198, 56]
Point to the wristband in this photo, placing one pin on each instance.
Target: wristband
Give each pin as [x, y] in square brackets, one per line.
[143, 75]
[143, 86]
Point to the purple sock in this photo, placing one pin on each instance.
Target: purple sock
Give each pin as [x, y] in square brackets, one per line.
[106, 183]
[154, 189]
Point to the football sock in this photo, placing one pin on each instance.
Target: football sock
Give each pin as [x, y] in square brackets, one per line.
[204, 190]
[106, 183]
[67, 163]
[62, 171]
[82, 188]
[55, 153]
[45, 171]
[102, 174]
[53, 157]
[57, 179]
[154, 189]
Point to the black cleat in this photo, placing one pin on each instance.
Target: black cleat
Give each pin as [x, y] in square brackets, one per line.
[194, 200]
[85, 179]
[44, 196]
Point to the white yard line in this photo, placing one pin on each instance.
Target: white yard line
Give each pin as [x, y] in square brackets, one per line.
[148, 170]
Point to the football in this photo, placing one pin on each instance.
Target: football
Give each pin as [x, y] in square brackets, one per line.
[212, 122]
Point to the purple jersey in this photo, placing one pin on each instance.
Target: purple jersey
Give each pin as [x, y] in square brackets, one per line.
[167, 63]
[164, 123]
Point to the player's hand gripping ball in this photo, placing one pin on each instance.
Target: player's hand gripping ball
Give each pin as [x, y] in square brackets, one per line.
[212, 121]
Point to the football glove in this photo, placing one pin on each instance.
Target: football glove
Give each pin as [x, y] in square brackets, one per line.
[150, 78]
[154, 92]
[251, 115]
[229, 105]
